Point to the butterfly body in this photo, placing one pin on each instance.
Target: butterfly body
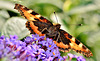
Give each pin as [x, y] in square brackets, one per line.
[40, 25]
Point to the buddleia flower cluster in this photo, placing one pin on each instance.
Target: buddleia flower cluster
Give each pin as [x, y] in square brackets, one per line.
[32, 48]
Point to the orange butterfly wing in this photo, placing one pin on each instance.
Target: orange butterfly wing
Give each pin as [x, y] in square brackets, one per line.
[33, 18]
[71, 43]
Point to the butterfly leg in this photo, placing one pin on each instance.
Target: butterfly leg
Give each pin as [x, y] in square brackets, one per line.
[57, 38]
[44, 31]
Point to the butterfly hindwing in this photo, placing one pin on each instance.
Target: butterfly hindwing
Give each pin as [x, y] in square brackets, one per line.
[63, 43]
[36, 27]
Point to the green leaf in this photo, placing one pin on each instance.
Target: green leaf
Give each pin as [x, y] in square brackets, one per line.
[2, 21]
[84, 9]
[57, 3]
[15, 26]
[4, 14]
[45, 8]
[7, 6]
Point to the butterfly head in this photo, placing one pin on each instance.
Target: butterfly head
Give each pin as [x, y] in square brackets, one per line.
[57, 26]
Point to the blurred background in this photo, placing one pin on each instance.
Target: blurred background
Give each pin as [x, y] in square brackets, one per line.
[80, 18]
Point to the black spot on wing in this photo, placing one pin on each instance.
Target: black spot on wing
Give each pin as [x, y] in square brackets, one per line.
[77, 42]
[84, 47]
[26, 9]
[36, 19]
[42, 18]
[69, 36]
[19, 6]
[27, 23]
[34, 13]
[64, 49]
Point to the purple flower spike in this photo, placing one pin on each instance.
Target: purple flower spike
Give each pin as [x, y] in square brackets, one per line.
[70, 55]
[13, 36]
[34, 48]
[36, 37]
[28, 40]
[80, 58]
[2, 37]
[65, 57]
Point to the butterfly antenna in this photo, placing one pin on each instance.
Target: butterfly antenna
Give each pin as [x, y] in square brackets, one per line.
[70, 24]
[76, 24]
[56, 17]
[80, 24]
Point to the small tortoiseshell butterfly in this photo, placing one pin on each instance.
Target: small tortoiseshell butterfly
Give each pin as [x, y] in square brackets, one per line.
[40, 25]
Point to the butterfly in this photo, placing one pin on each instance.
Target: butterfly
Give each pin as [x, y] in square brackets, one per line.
[40, 25]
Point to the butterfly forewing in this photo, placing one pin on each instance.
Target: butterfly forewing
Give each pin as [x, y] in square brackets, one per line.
[75, 44]
[30, 14]
[34, 19]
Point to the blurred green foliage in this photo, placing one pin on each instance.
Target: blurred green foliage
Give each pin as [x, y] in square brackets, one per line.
[70, 14]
